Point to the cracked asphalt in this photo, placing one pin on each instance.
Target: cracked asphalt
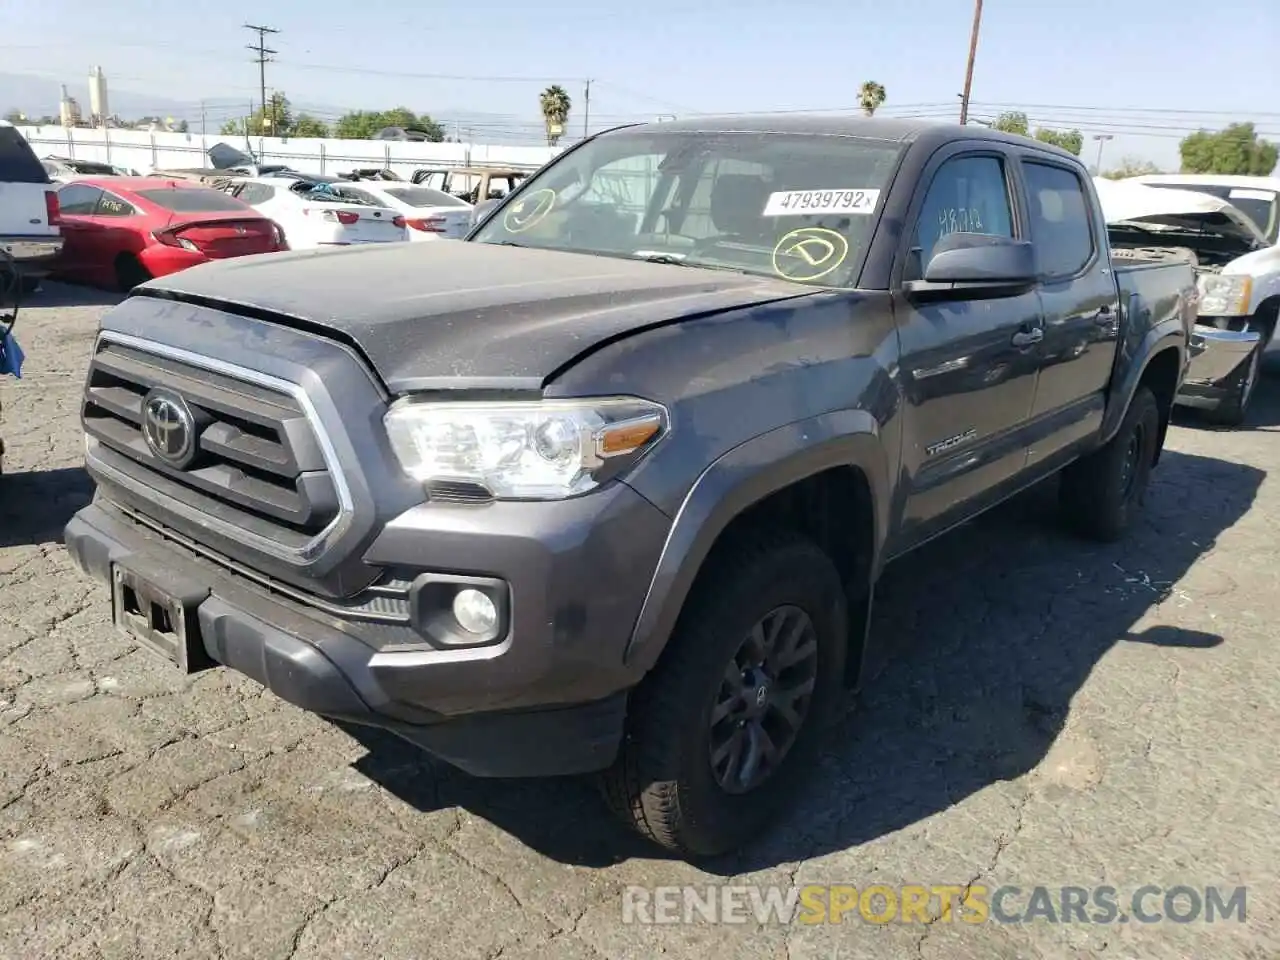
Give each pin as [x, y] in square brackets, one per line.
[1047, 713]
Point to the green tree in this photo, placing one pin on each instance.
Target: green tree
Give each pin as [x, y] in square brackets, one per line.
[1012, 122]
[1131, 167]
[1235, 150]
[555, 105]
[1070, 140]
[1015, 121]
[305, 125]
[871, 96]
[275, 120]
[364, 124]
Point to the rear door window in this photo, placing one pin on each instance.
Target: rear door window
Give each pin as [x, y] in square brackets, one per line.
[78, 200]
[1061, 226]
[18, 163]
[109, 205]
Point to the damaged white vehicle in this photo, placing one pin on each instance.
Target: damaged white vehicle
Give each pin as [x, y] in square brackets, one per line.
[1239, 271]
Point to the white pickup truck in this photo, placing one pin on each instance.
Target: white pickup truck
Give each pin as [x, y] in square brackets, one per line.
[29, 221]
[1231, 224]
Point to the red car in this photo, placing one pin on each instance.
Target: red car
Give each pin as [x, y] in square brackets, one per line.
[122, 231]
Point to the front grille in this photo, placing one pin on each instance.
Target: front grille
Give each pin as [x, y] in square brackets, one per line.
[256, 463]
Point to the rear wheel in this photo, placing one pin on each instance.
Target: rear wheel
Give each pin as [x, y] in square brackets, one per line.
[1103, 493]
[130, 272]
[1240, 387]
[721, 729]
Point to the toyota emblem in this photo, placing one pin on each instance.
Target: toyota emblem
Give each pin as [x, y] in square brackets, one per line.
[169, 427]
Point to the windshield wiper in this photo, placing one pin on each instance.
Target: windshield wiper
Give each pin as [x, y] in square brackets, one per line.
[678, 261]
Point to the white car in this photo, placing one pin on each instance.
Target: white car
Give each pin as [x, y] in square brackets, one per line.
[1238, 273]
[311, 216]
[429, 214]
[1248, 291]
[30, 230]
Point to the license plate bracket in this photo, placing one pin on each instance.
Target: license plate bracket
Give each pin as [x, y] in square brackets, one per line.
[163, 620]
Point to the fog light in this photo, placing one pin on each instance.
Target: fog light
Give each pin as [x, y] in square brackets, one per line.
[475, 611]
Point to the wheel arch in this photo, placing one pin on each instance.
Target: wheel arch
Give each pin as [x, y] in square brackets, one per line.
[1158, 361]
[827, 475]
[1161, 376]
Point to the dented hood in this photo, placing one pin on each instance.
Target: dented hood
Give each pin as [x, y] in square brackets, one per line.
[1127, 201]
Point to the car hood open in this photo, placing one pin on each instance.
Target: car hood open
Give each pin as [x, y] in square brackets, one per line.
[1126, 201]
[460, 315]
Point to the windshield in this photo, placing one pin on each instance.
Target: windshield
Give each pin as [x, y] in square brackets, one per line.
[782, 205]
[423, 197]
[1256, 204]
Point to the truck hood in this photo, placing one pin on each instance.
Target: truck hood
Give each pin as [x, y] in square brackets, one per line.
[1126, 201]
[459, 315]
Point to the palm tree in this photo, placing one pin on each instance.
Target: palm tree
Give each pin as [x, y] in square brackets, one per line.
[871, 97]
[555, 104]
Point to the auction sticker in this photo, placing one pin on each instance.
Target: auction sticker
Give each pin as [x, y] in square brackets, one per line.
[800, 203]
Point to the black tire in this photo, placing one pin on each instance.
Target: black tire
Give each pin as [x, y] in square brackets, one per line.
[663, 783]
[1241, 384]
[129, 272]
[1102, 493]
[29, 285]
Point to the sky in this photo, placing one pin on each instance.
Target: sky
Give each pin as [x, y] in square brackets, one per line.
[1102, 66]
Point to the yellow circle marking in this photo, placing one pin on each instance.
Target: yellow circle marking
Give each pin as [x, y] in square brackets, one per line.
[530, 211]
[813, 253]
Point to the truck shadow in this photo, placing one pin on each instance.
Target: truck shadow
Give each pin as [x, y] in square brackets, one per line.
[986, 635]
[35, 506]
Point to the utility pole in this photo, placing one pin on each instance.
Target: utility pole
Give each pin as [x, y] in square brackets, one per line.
[264, 57]
[968, 70]
[202, 119]
[586, 109]
[1102, 138]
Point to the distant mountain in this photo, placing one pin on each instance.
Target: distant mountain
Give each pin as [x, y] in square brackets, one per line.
[38, 96]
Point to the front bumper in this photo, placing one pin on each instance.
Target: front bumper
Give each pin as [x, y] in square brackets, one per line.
[548, 700]
[1215, 354]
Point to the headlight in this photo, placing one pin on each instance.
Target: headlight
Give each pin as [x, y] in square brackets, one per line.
[1224, 296]
[537, 450]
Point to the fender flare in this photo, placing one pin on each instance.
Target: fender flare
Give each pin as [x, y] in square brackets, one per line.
[740, 478]
[1167, 334]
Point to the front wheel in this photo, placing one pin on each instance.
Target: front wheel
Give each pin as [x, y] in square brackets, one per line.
[721, 729]
[1240, 386]
[1103, 492]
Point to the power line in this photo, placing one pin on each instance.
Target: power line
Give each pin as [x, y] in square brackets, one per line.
[264, 57]
[1116, 110]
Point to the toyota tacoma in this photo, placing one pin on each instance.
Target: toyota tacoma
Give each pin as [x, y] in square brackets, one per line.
[607, 486]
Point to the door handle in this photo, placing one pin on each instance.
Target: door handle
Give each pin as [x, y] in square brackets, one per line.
[1105, 316]
[1025, 338]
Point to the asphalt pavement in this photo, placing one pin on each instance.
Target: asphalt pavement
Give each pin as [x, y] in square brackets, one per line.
[1049, 714]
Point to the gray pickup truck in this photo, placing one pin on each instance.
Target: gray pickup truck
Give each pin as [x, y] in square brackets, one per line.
[607, 486]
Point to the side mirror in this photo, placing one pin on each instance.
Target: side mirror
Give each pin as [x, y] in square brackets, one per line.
[972, 265]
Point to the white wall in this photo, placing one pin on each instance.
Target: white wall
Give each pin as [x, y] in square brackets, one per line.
[144, 151]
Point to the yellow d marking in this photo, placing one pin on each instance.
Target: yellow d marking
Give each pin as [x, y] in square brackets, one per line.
[814, 252]
[530, 211]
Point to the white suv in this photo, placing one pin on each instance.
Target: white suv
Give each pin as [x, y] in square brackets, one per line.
[30, 229]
